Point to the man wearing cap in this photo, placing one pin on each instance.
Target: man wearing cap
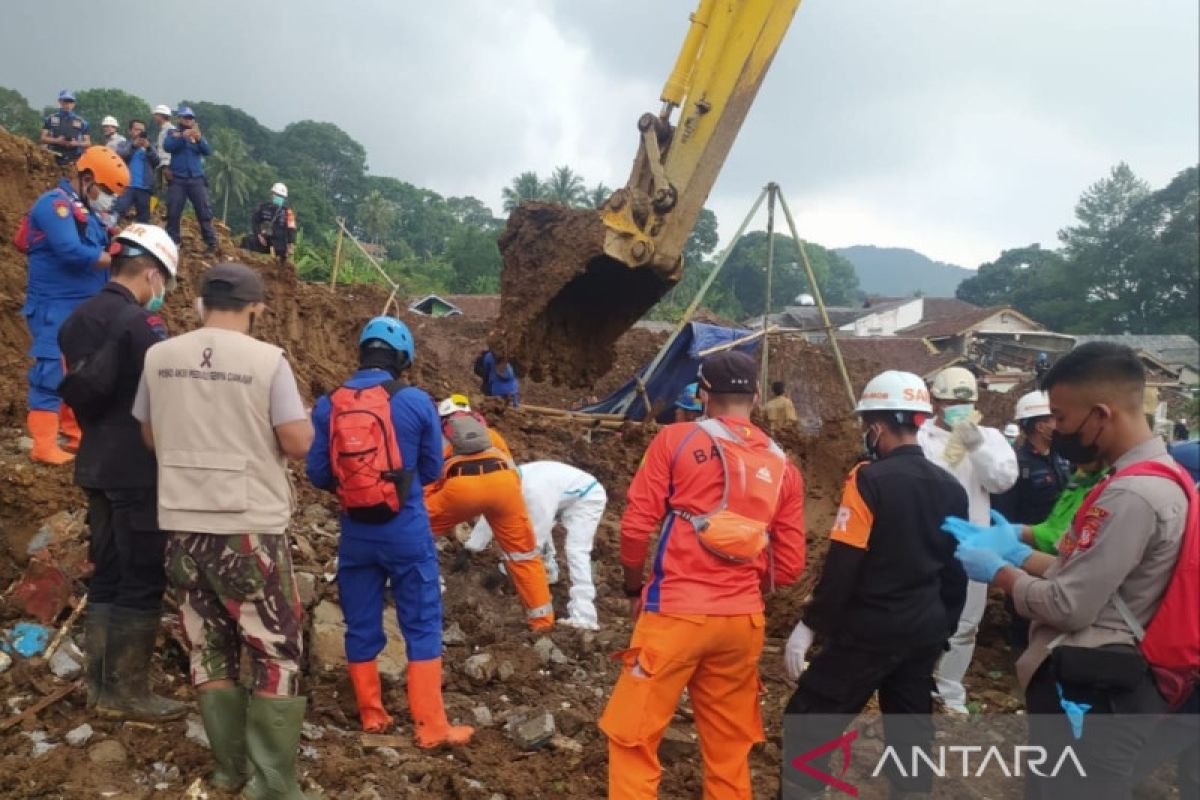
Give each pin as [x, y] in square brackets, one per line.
[889, 596]
[699, 620]
[118, 474]
[112, 138]
[687, 406]
[223, 415]
[64, 132]
[141, 156]
[272, 227]
[984, 463]
[188, 147]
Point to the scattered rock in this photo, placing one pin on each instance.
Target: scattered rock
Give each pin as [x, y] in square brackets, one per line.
[306, 587]
[5, 661]
[166, 772]
[677, 746]
[571, 721]
[24, 444]
[548, 651]
[41, 743]
[312, 732]
[307, 554]
[506, 670]
[533, 733]
[196, 732]
[565, 744]
[62, 527]
[66, 662]
[480, 668]
[368, 793]
[328, 632]
[78, 737]
[454, 635]
[390, 756]
[110, 751]
[316, 514]
[483, 716]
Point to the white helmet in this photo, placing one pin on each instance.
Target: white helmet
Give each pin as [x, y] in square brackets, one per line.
[1011, 431]
[162, 109]
[453, 404]
[155, 241]
[279, 189]
[955, 383]
[110, 120]
[895, 391]
[1034, 404]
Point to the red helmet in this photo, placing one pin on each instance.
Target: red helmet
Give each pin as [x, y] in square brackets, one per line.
[107, 168]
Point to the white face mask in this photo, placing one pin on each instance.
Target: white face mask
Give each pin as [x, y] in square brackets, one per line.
[199, 306]
[104, 202]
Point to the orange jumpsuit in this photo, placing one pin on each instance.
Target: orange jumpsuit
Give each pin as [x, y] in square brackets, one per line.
[702, 621]
[488, 484]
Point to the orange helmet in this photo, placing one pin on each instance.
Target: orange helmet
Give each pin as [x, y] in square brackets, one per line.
[108, 169]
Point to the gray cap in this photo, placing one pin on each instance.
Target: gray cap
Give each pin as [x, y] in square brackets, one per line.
[233, 281]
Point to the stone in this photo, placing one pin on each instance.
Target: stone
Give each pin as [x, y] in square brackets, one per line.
[312, 732]
[506, 670]
[5, 661]
[78, 737]
[454, 635]
[483, 716]
[390, 756]
[480, 668]
[533, 733]
[166, 772]
[328, 642]
[368, 793]
[56, 529]
[571, 721]
[306, 587]
[110, 751]
[24, 444]
[548, 651]
[307, 554]
[195, 731]
[677, 745]
[67, 664]
[41, 743]
[565, 744]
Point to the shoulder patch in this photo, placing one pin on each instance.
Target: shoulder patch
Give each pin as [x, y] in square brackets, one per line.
[155, 321]
[62, 208]
[1090, 526]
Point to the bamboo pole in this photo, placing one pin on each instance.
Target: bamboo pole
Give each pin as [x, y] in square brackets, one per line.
[816, 292]
[772, 192]
[750, 337]
[371, 258]
[337, 256]
[567, 412]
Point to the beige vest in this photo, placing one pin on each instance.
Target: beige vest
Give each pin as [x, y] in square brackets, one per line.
[220, 469]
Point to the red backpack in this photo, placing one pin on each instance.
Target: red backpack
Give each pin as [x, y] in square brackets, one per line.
[372, 483]
[1171, 642]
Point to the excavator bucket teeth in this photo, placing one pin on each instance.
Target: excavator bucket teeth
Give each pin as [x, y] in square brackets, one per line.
[564, 303]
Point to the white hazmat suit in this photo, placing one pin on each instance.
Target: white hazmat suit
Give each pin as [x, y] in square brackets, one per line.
[557, 492]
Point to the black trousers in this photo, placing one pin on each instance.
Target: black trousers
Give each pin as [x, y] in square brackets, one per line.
[837, 686]
[126, 548]
[137, 199]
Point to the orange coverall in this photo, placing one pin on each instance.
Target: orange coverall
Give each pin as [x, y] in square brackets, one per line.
[702, 621]
[497, 496]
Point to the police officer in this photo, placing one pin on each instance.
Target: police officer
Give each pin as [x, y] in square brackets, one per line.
[272, 226]
[117, 473]
[188, 147]
[1041, 474]
[68, 263]
[890, 593]
[64, 132]
[222, 412]
[142, 157]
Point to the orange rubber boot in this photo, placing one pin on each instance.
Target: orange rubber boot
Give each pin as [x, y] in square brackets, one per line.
[364, 677]
[70, 428]
[43, 428]
[425, 704]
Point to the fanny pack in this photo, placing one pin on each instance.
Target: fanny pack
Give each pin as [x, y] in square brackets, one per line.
[1118, 668]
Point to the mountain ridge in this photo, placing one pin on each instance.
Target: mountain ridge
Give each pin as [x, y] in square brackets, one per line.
[902, 272]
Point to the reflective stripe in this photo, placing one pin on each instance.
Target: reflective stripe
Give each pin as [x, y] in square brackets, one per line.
[540, 611]
[532, 554]
[581, 492]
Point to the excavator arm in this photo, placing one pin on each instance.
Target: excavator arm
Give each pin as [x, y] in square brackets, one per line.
[575, 280]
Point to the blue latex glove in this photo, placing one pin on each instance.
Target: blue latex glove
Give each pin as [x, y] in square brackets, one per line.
[980, 563]
[1003, 537]
[1074, 712]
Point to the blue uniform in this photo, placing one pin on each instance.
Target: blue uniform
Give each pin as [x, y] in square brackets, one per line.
[188, 185]
[400, 550]
[501, 383]
[70, 125]
[66, 240]
[187, 157]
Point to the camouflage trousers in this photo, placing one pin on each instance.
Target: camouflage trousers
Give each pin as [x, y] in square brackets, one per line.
[234, 591]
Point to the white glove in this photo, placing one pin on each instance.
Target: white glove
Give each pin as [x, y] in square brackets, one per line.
[969, 434]
[795, 650]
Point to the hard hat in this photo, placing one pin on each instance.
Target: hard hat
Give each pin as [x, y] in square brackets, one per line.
[185, 111]
[689, 399]
[955, 383]
[279, 189]
[66, 94]
[895, 391]
[452, 404]
[1034, 404]
[155, 241]
[110, 120]
[1011, 431]
[390, 331]
[107, 168]
[165, 110]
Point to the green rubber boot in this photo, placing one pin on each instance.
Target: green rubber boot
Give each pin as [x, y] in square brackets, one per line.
[126, 691]
[272, 738]
[95, 641]
[224, 715]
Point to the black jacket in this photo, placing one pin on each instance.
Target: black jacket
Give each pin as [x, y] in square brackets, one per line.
[112, 454]
[1040, 480]
[891, 580]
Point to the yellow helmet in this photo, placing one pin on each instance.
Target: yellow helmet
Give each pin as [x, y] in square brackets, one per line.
[453, 403]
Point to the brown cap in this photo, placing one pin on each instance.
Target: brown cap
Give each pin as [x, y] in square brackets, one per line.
[233, 281]
[728, 372]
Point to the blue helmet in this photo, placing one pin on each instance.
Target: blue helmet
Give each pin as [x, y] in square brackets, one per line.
[66, 94]
[390, 331]
[185, 111]
[689, 399]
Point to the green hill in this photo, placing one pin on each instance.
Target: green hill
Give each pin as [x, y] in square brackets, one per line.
[900, 272]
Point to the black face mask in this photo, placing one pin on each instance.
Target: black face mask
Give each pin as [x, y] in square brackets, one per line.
[1071, 447]
[872, 447]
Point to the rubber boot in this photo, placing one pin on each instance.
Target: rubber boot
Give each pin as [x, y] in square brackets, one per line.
[126, 692]
[364, 677]
[272, 738]
[95, 641]
[43, 429]
[70, 428]
[431, 728]
[224, 715]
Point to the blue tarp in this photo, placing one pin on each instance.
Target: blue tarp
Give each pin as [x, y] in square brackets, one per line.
[676, 370]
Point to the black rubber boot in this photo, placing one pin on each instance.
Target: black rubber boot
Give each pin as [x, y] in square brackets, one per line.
[126, 692]
[95, 641]
[224, 715]
[272, 738]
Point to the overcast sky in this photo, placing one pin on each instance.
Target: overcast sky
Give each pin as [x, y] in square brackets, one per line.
[955, 127]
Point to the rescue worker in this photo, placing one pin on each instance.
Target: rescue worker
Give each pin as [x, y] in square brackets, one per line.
[272, 227]
[64, 132]
[386, 538]
[699, 621]
[558, 493]
[1044, 535]
[68, 262]
[162, 174]
[1041, 474]
[187, 147]
[889, 595]
[139, 153]
[1086, 681]
[687, 405]
[112, 331]
[222, 412]
[985, 464]
[499, 378]
[480, 478]
[779, 410]
[110, 128]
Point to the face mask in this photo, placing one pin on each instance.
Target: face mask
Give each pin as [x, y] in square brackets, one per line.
[104, 202]
[156, 302]
[276, 199]
[1071, 447]
[199, 306]
[954, 414]
[872, 447]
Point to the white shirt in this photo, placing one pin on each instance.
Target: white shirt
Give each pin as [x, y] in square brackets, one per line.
[989, 469]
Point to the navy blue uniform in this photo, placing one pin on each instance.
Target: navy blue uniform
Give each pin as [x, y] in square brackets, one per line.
[188, 185]
[1040, 480]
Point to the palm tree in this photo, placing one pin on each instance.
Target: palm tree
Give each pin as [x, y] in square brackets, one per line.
[566, 188]
[229, 168]
[526, 186]
[598, 195]
[375, 215]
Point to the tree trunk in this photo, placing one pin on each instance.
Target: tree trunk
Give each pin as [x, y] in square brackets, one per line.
[225, 206]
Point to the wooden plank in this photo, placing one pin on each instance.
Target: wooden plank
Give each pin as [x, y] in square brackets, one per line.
[40, 705]
[383, 740]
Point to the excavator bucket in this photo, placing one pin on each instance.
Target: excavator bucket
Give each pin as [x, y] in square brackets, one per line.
[564, 303]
